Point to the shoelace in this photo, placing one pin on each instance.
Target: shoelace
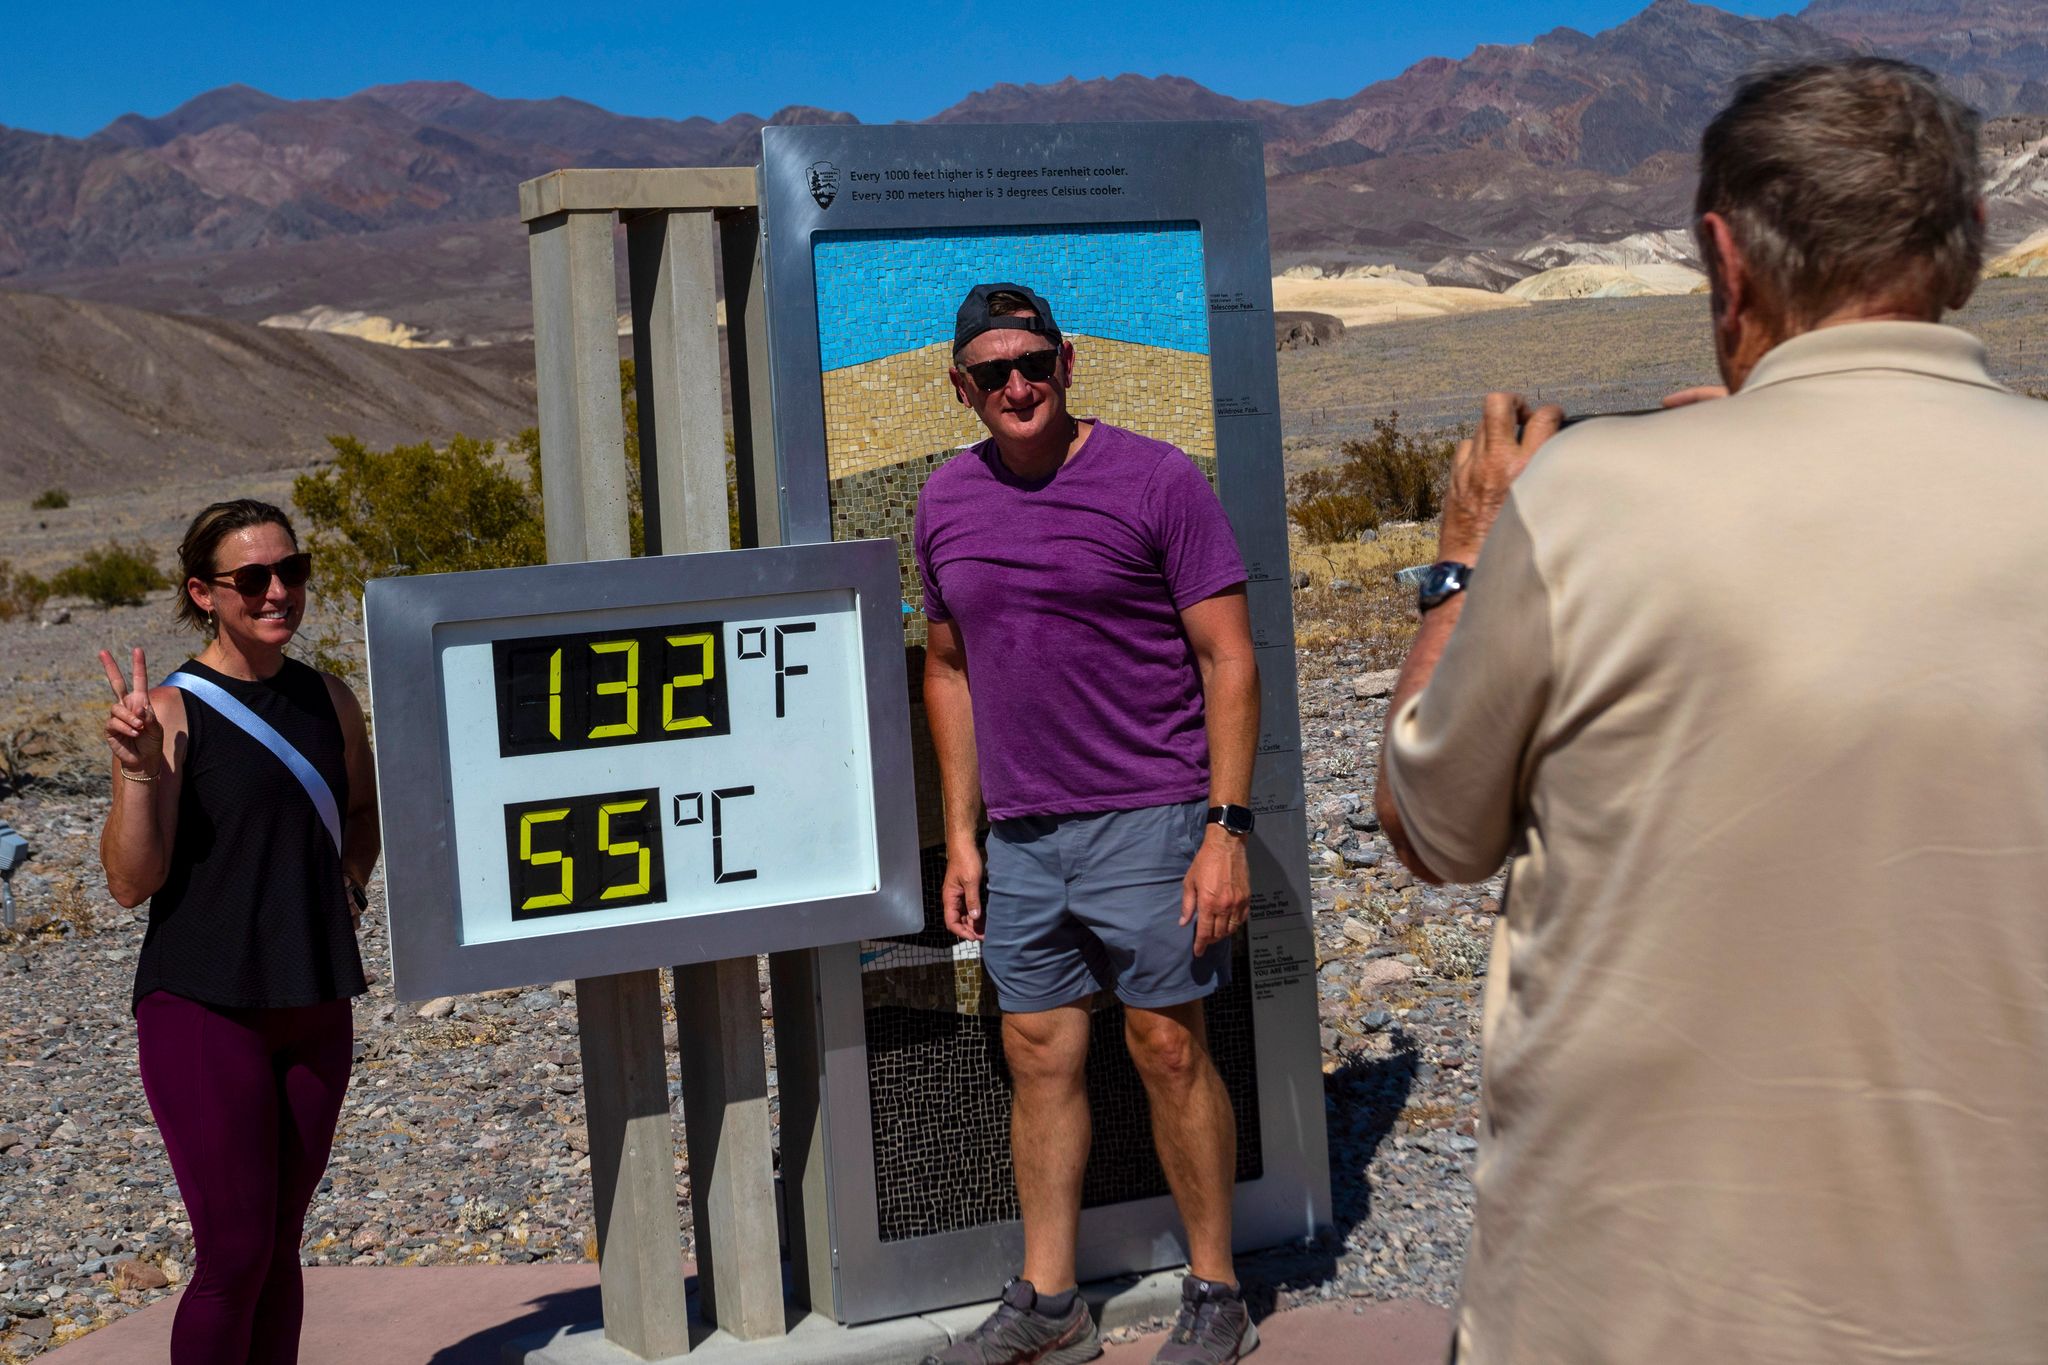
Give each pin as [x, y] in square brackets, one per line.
[1196, 1321]
[1006, 1316]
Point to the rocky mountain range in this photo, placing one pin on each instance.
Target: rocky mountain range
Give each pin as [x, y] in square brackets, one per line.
[395, 201]
[1993, 53]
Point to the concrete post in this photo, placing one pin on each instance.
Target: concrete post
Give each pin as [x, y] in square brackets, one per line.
[718, 1004]
[632, 1164]
[675, 365]
[625, 1079]
[576, 361]
[746, 344]
[732, 1163]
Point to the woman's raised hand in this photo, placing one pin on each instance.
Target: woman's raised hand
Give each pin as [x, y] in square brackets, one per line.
[133, 732]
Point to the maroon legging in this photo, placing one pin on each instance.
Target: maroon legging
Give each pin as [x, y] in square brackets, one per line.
[247, 1101]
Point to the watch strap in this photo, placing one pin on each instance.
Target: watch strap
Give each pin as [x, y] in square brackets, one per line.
[1234, 819]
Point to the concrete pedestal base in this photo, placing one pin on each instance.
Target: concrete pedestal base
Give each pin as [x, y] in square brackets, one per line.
[817, 1340]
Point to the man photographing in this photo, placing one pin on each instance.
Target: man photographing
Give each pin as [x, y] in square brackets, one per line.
[1090, 678]
[1752, 693]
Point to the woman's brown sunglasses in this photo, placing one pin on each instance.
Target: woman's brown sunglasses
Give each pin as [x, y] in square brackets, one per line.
[253, 580]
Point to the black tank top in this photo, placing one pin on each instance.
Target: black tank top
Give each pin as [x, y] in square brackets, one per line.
[254, 913]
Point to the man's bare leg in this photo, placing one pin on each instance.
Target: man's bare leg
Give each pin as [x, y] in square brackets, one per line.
[1047, 1052]
[1193, 1127]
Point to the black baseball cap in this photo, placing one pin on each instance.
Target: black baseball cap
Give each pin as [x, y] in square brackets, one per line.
[975, 319]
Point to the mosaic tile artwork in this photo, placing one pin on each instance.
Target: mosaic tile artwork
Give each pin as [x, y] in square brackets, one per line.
[1130, 298]
[883, 292]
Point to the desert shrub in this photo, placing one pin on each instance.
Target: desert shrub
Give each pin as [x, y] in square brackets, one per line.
[52, 499]
[114, 575]
[410, 509]
[1327, 508]
[21, 594]
[418, 509]
[1404, 475]
[1388, 476]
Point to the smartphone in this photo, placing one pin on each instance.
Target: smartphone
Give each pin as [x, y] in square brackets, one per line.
[1594, 416]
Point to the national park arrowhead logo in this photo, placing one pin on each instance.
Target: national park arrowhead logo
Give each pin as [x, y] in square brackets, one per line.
[824, 178]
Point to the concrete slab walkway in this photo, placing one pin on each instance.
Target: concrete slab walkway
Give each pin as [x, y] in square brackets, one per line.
[465, 1315]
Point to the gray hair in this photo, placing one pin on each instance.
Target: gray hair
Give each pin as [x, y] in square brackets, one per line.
[1847, 180]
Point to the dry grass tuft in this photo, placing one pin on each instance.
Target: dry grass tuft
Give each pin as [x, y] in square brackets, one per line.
[1352, 605]
[21, 593]
[1453, 951]
[1430, 1114]
[72, 912]
[49, 752]
[445, 1035]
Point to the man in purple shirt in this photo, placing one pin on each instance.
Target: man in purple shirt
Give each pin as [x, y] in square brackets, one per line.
[1090, 678]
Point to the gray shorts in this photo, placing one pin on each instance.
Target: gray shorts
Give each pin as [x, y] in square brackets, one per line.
[1084, 903]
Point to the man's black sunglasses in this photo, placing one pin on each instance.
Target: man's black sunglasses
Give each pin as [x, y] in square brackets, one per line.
[1036, 367]
[253, 580]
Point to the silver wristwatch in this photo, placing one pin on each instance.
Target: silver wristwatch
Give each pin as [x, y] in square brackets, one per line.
[1441, 582]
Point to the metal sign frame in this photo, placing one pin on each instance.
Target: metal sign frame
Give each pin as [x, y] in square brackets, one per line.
[1211, 174]
[428, 955]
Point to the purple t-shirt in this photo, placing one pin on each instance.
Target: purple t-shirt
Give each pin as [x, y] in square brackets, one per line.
[1066, 593]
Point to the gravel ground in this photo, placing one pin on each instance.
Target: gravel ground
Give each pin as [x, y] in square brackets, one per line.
[462, 1137]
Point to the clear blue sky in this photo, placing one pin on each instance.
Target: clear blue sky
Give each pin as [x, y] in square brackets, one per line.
[72, 70]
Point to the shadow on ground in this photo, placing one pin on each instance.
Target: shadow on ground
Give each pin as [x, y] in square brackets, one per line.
[1362, 1099]
[546, 1313]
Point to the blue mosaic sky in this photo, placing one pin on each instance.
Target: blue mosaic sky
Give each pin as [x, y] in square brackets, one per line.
[884, 292]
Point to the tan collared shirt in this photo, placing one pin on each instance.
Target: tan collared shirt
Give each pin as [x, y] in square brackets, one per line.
[1755, 693]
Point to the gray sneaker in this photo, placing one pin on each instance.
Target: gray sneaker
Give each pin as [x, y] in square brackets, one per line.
[1017, 1334]
[1214, 1326]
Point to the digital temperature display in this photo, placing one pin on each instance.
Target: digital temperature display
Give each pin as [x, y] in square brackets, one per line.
[646, 763]
[591, 767]
[588, 853]
[606, 687]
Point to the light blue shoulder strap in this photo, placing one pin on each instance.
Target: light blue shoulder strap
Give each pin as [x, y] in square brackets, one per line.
[258, 729]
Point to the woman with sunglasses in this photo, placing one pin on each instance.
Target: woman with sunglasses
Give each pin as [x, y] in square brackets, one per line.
[242, 992]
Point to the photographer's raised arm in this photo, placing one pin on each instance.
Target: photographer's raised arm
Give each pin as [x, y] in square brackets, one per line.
[1460, 749]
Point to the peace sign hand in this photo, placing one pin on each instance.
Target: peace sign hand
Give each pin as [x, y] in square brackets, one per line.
[133, 732]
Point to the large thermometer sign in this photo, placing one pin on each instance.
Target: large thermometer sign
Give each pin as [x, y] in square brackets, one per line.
[589, 768]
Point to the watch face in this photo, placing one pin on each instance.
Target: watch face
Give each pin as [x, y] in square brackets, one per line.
[1234, 819]
[1442, 580]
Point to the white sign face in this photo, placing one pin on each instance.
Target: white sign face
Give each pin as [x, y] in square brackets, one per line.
[640, 764]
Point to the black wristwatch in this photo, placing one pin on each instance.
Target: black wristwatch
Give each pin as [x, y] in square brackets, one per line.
[1444, 580]
[1234, 819]
[357, 894]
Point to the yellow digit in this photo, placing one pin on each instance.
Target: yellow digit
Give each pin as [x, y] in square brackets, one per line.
[669, 719]
[542, 857]
[622, 850]
[628, 687]
[555, 694]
